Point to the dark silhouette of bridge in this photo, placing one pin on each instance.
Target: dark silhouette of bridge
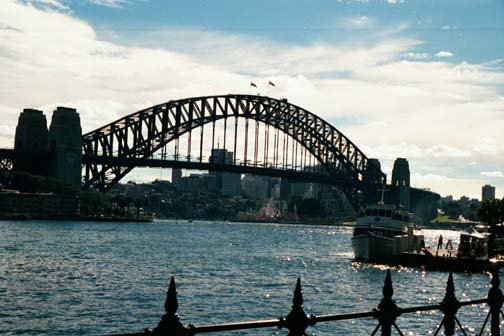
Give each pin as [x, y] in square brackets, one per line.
[266, 136]
[242, 134]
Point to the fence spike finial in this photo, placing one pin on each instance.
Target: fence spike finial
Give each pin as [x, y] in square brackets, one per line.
[170, 323]
[387, 311]
[450, 306]
[297, 321]
[171, 303]
[388, 290]
[297, 300]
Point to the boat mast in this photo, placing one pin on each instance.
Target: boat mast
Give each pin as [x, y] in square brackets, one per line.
[382, 194]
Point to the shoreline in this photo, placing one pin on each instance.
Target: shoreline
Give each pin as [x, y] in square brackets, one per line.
[77, 219]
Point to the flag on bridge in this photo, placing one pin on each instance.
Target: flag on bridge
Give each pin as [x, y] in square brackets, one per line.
[253, 84]
[271, 83]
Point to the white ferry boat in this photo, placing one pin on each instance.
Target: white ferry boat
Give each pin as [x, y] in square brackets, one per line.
[384, 231]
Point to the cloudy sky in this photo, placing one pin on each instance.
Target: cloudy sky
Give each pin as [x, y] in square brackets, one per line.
[401, 78]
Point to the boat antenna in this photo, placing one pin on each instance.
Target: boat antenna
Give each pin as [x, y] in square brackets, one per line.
[382, 194]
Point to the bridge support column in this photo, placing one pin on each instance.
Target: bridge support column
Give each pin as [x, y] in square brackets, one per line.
[65, 144]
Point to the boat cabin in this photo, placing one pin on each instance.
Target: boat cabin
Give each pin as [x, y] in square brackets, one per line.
[387, 211]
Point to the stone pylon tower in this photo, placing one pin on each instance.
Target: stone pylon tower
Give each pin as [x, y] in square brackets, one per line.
[373, 172]
[65, 145]
[31, 137]
[401, 182]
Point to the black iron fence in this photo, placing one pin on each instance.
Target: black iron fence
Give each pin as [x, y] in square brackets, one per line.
[386, 314]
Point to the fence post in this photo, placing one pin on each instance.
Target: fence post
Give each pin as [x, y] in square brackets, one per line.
[170, 324]
[297, 321]
[495, 301]
[449, 306]
[387, 310]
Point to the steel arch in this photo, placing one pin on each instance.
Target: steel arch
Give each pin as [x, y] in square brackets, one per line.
[141, 134]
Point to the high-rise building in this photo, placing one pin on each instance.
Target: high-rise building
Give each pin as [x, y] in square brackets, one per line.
[487, 193]
[258, 187]
[228, 184]
[176, 175]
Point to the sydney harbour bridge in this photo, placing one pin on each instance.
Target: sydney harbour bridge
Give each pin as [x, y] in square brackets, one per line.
[260, 135]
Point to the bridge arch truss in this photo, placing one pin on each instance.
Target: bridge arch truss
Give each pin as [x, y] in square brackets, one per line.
[112, 151]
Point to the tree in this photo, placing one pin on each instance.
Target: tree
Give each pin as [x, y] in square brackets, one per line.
[492, 212]
[138, 204]
[120, 201]
[93, 203]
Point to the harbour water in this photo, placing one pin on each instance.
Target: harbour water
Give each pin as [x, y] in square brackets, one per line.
[85, 278]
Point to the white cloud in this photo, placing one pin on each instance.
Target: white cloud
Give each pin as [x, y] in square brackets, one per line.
[360, 21]
[444, 151]
[48, 4]
[392, 151]
[487, 146]
[108, 3]
[493, 174]
[7, 131]
[415, 55]
[444, 54]
[446, 185]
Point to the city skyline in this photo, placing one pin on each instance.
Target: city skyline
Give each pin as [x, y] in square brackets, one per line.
[427, 87]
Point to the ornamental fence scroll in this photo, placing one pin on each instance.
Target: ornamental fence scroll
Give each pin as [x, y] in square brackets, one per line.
[386, 313]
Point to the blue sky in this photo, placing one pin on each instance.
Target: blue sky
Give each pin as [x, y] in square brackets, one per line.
[416, 79]
[471, 29]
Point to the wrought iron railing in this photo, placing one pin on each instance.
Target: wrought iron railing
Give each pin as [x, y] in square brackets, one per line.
[386, 313]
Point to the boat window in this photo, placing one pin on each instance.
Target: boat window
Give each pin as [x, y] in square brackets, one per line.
[361, 214]
[368, 212]
[375, 212]
[388, 213]
[381, 213]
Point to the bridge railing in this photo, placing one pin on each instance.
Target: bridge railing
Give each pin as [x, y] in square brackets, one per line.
[386, 314]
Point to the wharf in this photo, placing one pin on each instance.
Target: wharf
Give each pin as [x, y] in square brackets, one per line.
[447, 260]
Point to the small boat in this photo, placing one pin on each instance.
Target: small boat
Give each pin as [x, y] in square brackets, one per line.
[383, 232]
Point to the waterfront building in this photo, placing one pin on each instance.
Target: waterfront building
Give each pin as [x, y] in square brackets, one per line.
[38, 205]
[487, 193]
